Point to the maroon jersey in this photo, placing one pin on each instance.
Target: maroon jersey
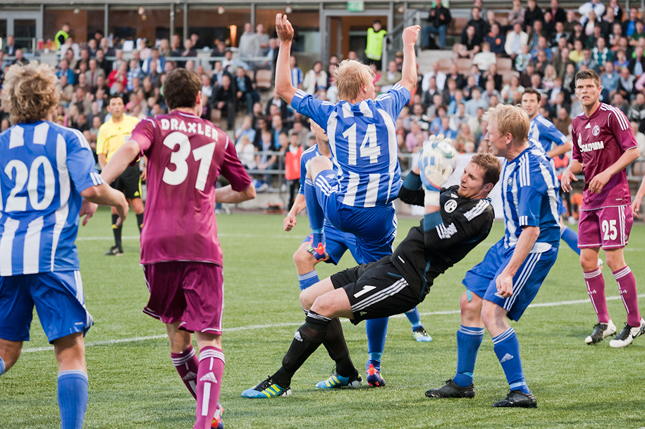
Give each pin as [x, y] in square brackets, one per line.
[185, 155]
[598, 142]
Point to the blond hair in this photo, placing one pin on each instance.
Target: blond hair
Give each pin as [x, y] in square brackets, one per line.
[29, 93]
[509, 119]
[350, 76]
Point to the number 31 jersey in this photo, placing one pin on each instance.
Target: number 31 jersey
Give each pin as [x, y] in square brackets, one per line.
[185, 155]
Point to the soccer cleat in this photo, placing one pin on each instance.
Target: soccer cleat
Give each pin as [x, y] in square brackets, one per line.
[421, 335]
[519, 399]
[627, 335]
[374, 378]
[336, 381]
[266, 389]
[452, 390]
[600, 332]
[318, 252]
[217, 419]
[115, 251]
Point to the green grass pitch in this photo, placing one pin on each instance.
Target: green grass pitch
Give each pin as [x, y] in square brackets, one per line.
[133, 383]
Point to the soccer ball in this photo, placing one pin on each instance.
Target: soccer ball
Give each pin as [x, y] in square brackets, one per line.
[437, 161]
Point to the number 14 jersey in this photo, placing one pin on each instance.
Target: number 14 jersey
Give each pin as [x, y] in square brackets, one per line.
[185, 155]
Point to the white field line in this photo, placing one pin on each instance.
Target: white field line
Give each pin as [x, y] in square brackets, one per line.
[280, 325]
[219, 234]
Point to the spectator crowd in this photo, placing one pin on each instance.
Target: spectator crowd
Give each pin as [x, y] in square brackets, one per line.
[545, 46]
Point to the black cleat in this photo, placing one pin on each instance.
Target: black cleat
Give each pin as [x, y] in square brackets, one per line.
[517, 398]
[600, 332]
[452, 390]
[115, 251]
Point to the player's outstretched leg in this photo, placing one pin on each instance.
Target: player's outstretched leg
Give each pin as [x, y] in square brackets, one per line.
[306, 340]
[376, 331]
[418, 330]
[72, 380]
[635, 326]
[345, 374]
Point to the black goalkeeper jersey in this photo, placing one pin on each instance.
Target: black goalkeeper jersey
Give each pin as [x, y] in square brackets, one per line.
[423, 255]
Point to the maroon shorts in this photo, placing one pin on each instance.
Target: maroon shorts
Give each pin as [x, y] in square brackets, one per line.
[191, 293]
[607, 227]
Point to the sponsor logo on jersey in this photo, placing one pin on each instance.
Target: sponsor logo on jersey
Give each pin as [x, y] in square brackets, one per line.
[588, 147]
[450, 206]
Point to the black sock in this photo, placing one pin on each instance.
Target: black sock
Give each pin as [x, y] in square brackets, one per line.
[116, 230]
[307, 339]
[140, 221]
[336, 346]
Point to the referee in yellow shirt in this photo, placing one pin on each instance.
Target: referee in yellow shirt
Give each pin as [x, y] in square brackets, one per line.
[112, 135]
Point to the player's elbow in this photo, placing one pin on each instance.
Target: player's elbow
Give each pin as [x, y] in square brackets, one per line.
[248, 193]
[91, 193]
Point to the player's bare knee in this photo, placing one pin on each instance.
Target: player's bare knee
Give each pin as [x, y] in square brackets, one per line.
[471, 307]
[303, 260]
[10, 352]
[306, 299]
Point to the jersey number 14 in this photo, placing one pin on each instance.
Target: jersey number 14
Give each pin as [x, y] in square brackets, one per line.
[369, 147]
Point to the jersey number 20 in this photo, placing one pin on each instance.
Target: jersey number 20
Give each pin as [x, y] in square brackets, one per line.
[203, 154]
[29, 176]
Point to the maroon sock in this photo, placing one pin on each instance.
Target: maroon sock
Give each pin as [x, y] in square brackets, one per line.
[596, 290]
[209, 381]
[627, 288]
[186, 364]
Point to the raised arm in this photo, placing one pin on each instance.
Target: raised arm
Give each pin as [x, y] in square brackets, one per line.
[283, 86]
[409, 71]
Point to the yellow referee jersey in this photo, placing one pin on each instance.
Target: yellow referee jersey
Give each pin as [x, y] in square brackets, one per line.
[112, 135]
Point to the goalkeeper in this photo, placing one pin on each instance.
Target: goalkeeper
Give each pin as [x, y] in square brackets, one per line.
[456, 220]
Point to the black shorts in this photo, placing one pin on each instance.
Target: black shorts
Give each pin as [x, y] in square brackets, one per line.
[376, 290]
[129, 182]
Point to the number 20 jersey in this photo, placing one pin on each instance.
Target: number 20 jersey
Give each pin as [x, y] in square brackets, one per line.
[43, 169]
[185, 155]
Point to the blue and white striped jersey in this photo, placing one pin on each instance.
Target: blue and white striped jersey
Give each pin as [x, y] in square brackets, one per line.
[43, 169]
[362, 141]
[312, 152]
[542, 130]
[530, 198]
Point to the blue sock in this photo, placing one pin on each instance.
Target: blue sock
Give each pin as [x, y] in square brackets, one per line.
[376, 331]
[308, 279]
[570, 237]
[468, 341]
[507, 349]
[2, 367]
[314, 213]
[72, 398]
[414, 318]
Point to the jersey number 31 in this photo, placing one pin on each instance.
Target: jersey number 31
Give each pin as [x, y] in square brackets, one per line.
[203, 154]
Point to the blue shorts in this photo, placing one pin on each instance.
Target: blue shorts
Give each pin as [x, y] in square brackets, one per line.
[373, 227]
[527, 281]
[59, 301]
[337, 243]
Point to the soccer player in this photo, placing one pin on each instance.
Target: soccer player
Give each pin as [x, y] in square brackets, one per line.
[180, 250]
[604, 146]
[112, 135]
[456, 220]
[355, 193]
[47, 179]
[554, 144]
[510, 276]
